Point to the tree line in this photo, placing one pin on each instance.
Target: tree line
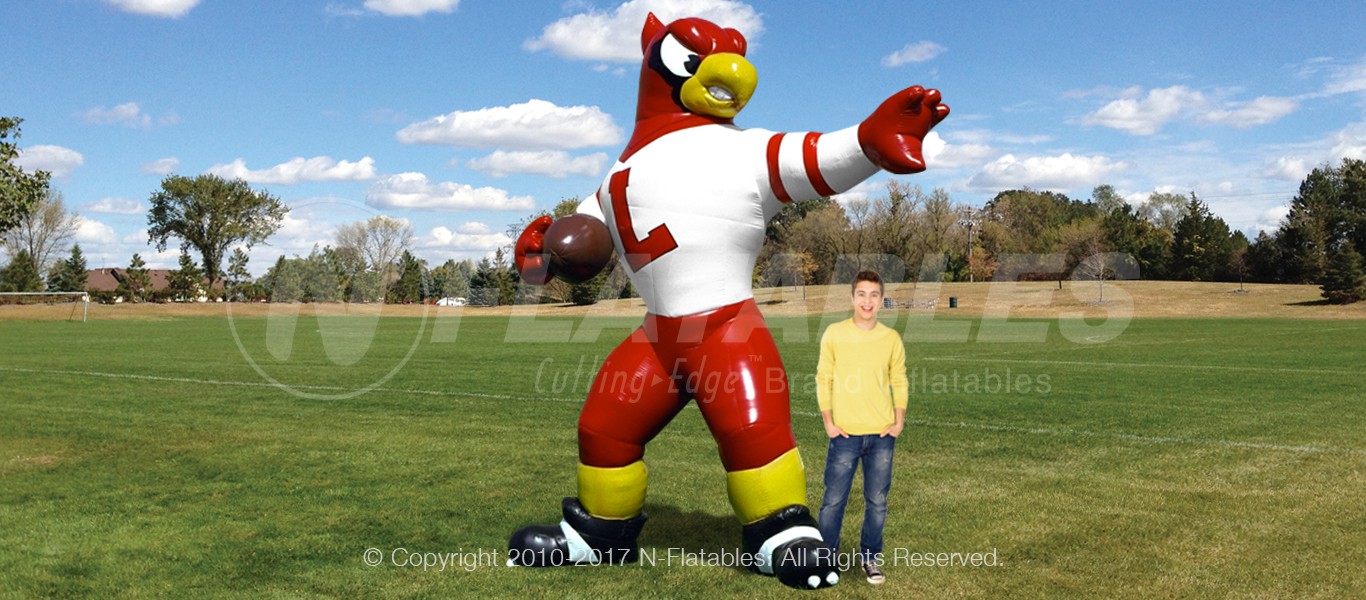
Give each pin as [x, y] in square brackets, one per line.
[906, 233]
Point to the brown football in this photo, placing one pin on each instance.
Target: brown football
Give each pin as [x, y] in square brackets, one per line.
[579, 247]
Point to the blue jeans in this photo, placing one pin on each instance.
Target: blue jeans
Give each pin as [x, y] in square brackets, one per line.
[840, 462]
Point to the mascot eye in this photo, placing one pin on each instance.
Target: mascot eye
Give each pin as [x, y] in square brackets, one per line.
[677, 58]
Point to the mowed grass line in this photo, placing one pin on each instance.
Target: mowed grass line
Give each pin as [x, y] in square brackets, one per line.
[1193, 458]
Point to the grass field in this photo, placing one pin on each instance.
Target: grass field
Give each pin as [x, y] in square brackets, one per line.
[155, 457]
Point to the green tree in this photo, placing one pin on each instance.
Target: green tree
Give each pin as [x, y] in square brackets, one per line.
[238, 275]
[136, 285]
[483, 289]
[69, 275]
[1330, 206]
[322, 275]
[1029, 222]
[1127, 233]
[1164, 210]
[1080, 240]
[283, 281]
[20, 191]
[1263, 260]
[505, 278]
[186, 283]
[450, 281]
[20, 275]
[1202, 246]
[211, 214]
[1107, 199]
[313, 278]
[589, 292]
[408, 287]
[1345, 279]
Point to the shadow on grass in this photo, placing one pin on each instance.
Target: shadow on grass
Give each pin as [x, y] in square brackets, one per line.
[689, 532]
[1319, 302]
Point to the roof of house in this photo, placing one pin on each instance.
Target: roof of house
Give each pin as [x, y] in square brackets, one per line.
[107, 279]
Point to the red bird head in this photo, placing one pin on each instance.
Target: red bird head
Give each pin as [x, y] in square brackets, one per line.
[693, 66]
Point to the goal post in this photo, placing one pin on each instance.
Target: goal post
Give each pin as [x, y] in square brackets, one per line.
[82, 297]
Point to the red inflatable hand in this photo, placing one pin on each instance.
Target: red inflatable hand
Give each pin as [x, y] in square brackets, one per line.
[892, 135]
[529, 254]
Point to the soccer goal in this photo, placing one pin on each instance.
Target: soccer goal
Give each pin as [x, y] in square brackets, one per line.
[48, 299]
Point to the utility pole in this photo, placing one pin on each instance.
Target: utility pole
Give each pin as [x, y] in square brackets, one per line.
[969, 219]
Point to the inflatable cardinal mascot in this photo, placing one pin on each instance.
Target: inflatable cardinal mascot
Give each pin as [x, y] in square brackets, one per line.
[686, 207]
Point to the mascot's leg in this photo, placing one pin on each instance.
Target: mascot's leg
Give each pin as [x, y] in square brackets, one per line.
[741, 387]
[631, 400]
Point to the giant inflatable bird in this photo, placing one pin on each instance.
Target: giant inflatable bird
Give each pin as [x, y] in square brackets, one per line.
[686, 207]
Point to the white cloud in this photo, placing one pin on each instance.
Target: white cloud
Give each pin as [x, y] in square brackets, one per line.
[299, 169]
[474, 228]
[137, 237]
[155, 8]
[1147, 115]
[985, 136]
[550, 163]
[1300, 159]
[1350, 142]
[1241, 115]
[861, 192]
[93, 232]
[411, 8]
[1272, 218]
[129, 114]
[615, 36]
[1287, 168]
[469, 236]
[413, 190]
[161, 166]
[913, 53]
[297, 235]
[535, 124]
[1347, 79]
[59, 161]
[940, 154]
[115, 206]
[332, 9]
[166, 259]
[1062, 172]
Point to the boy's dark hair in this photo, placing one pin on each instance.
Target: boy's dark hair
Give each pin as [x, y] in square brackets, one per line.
[868, 276]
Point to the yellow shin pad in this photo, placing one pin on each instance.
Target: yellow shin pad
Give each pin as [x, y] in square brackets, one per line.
[758, 492]
[613, 493]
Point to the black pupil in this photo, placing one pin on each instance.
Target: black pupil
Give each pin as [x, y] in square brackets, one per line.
[694, 61]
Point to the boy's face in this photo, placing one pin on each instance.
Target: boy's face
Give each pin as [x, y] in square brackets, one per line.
[867, 301]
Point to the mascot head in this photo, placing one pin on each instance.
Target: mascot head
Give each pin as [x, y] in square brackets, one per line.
[693, 66]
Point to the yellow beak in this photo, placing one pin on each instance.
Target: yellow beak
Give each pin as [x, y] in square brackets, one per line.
[722, 86]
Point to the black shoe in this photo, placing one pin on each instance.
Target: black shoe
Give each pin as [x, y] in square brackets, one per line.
[580, 538]
[787, 545]
[873, 570]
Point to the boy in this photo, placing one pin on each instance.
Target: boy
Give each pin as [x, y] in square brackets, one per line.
[861, 388]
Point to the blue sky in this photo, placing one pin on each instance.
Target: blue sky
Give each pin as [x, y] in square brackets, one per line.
[462, 116]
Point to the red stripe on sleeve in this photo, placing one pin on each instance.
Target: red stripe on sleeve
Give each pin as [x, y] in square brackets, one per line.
[813, 167]
[775, 177]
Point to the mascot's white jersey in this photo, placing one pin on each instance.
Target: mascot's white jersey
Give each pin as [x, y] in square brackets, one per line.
[688, 210]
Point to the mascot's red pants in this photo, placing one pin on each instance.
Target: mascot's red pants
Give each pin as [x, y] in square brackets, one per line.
[725, 359]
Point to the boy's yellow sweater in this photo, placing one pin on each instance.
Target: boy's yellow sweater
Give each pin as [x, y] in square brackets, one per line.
[861, 377]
